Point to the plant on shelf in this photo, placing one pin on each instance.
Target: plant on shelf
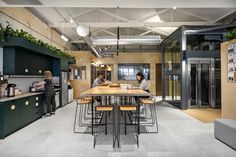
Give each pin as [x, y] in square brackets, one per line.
[7, 32]
[231, 35]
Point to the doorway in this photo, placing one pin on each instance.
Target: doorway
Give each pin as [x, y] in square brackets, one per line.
[158, 79]
[201, 83]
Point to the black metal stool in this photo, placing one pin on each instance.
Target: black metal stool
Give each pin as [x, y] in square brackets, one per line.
[126, 109]
[105, 109]
[82, 102]
[151, 102]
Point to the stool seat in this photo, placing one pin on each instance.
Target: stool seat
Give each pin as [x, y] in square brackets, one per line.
[83, 101]
[88, 98]
[128, 107]
[104, 108]
[146, 101]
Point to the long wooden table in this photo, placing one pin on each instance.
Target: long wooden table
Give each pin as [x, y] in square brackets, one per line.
[117, 92]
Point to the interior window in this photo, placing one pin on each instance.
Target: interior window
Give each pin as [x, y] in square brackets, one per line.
[129, 71]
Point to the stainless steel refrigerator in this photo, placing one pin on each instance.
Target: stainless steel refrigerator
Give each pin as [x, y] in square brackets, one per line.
[64, 88]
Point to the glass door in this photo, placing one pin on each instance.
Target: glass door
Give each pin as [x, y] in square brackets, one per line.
[201, 83]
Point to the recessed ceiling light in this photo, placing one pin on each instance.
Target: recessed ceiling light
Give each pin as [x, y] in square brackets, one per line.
[174, 8]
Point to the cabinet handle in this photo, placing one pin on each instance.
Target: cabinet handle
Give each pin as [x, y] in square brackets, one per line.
[36, 104]
[26, 70]
[27, 103]
[13, 107]
[37, 98]
[40, 71]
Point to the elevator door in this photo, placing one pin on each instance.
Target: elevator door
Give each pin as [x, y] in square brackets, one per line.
[201, 83]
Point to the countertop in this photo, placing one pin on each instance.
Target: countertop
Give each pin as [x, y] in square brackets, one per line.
[23, 95]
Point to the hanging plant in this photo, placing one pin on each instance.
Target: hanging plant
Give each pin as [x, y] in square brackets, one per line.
[7, 32]
[231, 35]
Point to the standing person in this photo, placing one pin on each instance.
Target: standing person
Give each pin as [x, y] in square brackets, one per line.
[48, 85]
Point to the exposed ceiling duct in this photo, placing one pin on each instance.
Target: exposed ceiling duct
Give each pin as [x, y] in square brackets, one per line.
[94, 48]
[127, 40]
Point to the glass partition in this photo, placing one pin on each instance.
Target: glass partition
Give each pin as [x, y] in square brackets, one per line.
[172, 87]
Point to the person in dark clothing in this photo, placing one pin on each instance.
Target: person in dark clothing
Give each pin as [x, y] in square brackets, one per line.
[48, 84]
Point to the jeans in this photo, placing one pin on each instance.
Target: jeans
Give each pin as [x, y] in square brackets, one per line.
[50, 103]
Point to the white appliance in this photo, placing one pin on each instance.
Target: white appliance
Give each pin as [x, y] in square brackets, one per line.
[70, 95]
[57, 99]
[64, 88]
[1, 60]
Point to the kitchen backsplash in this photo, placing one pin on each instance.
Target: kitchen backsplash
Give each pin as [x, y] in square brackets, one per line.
[24, 83]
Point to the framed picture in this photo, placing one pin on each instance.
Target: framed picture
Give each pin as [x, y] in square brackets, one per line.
[231, 63]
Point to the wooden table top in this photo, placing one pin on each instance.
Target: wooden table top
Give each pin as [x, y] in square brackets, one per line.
[114, 91]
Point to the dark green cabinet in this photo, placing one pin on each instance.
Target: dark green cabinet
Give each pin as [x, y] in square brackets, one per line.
[18, 61]
[64, 65]
[19, 113]
[26, 110]
[12, 116]
[56, 67]
[38, 104]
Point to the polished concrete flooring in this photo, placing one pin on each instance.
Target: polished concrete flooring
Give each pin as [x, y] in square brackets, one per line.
[179, 136]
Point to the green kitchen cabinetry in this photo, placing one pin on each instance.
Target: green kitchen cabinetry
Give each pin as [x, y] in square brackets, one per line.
[18, 113]
[12, 112]
[18, 61]
[56, 67]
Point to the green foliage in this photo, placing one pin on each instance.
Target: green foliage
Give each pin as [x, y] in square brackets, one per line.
[7, 32]
[231, 35]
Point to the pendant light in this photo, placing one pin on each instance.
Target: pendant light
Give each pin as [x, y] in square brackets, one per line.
[82, 30]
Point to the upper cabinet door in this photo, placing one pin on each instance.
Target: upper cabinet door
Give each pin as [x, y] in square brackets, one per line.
[18, 61]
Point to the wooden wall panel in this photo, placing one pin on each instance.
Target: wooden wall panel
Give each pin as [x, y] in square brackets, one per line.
[228, 90]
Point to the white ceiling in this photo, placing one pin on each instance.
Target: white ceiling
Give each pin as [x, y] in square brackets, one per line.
[136, 17]
[122, 3]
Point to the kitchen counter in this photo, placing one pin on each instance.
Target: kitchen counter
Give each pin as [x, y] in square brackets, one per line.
[27, 94]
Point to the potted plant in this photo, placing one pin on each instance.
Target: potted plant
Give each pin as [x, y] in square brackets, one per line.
[231, 35]
[7, 32]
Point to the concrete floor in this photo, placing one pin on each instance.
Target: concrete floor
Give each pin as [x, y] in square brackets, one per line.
[179, 136]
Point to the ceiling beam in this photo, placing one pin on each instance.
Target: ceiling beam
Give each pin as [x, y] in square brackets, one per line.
[114, 15]
[132, 4]
[75, 16]
[231, 12]
[158, 31]
[193, 15]
[108, 32]
[131, 24]
[155, 14]
[144, 33]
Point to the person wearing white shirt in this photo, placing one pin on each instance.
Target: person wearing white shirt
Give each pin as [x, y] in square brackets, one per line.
[142, 82]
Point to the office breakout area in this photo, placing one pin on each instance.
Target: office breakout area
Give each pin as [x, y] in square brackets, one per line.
[146, 78]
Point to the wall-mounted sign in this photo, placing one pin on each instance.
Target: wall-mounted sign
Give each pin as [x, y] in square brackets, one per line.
[231, 63]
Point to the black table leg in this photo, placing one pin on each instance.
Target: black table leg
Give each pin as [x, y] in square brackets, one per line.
[138, 116]
[92, 114]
